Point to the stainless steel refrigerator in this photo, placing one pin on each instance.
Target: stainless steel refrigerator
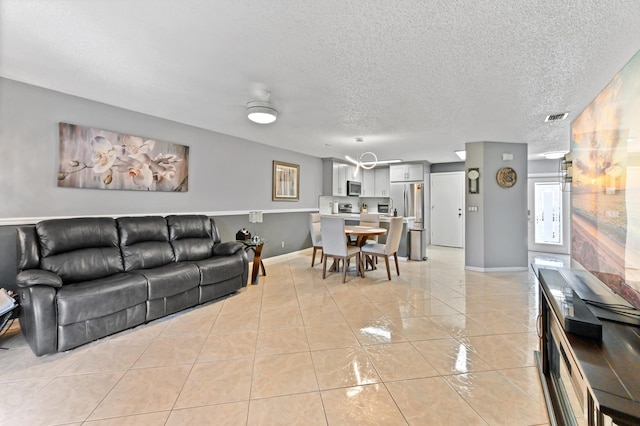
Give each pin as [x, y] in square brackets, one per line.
[408, 199]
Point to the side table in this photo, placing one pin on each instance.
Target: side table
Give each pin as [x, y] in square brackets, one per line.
[256, 247]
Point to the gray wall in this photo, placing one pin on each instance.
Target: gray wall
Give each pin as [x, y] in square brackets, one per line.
[227, 175]
[447, 167]
[544, 166]
[496, 235]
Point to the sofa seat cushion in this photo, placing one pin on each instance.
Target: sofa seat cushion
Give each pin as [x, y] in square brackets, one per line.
[220, 268]
[97, 298]
[171, 279]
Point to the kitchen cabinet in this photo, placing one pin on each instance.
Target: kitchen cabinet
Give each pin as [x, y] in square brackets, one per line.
[339, 180]
[406, 172]
[368, 183]
[335, 177]
[381, 178]
[376, 182]
[351, 169]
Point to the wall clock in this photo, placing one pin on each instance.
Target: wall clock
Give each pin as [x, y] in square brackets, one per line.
[506, 177]
[473, 174]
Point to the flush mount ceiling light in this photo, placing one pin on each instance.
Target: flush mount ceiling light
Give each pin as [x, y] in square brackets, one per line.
[462, 154]
[553, 155]
[367, 160]
[261, 112]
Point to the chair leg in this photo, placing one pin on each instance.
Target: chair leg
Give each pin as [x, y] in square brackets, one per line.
[386, 262]
[395, 255]
[361, 264]
[324, 266]
[313, 257]
[344, 270]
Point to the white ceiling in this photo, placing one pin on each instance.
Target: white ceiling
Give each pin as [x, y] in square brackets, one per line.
[416, 79]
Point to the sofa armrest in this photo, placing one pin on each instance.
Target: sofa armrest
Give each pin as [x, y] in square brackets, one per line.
[32, 277]
[38, 320]
[227, 249]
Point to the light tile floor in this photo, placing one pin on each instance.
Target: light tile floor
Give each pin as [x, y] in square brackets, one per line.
[436, 346]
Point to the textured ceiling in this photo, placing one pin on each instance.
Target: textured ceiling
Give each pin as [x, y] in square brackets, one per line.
[415, 79]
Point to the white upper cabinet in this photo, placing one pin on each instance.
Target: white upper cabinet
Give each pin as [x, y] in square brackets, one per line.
[368, 183]
[406, 172]
[341, 173]
[381, 177]
[351, 170]
[339, 181]
[376, 182]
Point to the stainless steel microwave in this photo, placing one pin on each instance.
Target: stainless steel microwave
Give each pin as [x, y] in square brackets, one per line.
[354, 188]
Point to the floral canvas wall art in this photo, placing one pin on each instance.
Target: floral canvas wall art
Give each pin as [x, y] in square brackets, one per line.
[101, 159]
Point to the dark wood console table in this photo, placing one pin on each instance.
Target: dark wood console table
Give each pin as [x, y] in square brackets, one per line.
[587, 381]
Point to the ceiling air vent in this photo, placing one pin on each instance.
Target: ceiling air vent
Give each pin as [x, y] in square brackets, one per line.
[556, 117]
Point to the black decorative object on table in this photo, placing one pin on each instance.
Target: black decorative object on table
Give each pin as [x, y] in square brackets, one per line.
[243, 234]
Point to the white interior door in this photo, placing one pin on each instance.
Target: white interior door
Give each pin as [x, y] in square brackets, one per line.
[447, 209]
[548, 215]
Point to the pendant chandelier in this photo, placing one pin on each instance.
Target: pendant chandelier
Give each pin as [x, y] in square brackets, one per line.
[367, 160]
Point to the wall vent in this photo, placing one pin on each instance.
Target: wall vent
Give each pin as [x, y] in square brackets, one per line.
[556, 117]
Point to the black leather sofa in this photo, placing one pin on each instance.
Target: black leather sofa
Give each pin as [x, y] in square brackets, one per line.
[85, 278]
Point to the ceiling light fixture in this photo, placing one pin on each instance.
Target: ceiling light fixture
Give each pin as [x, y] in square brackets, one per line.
[261, 112]
[462, 154]
[553, 155]
[367, 160]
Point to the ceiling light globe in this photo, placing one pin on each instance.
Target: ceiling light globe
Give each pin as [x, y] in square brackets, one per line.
[261, 112]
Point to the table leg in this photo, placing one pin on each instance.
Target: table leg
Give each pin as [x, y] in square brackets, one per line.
[257, 263]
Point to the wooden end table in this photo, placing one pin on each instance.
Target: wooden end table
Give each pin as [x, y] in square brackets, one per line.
[256, 247]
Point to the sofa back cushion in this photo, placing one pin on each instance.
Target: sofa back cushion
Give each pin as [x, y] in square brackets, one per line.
[214, 231]
[28, 251]
[79, 249]
[144, 242]
[190, 236]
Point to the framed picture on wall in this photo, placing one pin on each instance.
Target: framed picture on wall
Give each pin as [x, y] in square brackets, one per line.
[102, 159]
[286, 181]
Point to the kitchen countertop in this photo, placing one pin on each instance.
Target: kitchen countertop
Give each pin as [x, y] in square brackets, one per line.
[383, 217]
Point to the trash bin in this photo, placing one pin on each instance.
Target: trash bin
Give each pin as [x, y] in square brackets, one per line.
[418, 243]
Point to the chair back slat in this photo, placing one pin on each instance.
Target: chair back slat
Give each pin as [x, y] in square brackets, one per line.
[314, 228]
[394, 235]
[333, 237]
[370, 220]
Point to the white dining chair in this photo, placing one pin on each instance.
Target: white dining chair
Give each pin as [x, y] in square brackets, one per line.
[316, 237]
[334, 245]
[390, 248]
[371, 220]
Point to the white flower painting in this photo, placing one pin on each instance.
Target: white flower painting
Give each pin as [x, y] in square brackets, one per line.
[100, 159]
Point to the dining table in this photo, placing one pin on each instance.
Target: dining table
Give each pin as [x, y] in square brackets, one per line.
[362, 234]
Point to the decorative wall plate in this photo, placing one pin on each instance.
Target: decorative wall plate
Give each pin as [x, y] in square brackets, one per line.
[506, 177]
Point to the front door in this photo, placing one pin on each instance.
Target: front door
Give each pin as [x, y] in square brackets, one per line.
[548, 215]
[447, 209]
